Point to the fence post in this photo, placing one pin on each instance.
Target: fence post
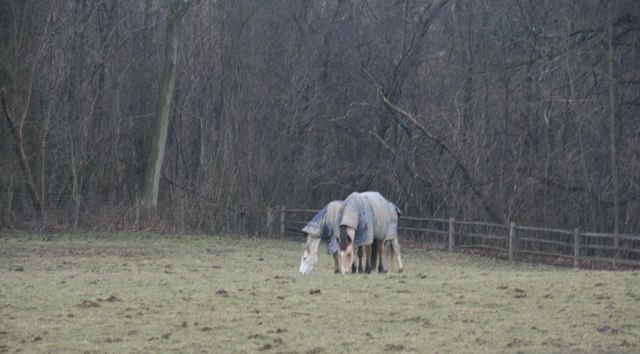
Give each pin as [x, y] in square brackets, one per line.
[513, 252]
[137, 207]
[182, 207]
[270, 219]
[452, 241]
[576, 248]
[282, 221]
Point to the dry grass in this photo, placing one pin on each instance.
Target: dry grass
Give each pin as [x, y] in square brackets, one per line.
[150, 293]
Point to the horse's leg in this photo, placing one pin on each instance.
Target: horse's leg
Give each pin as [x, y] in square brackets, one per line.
[382, 268]
[354, 269]
[374, 253]
[367, 253]
[395, 249]
[336, 265]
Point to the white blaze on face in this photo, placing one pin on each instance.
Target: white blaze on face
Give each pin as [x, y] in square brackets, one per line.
[307, 263]
[346, 260]
[309, 255]
[305, 267]
[346, 256]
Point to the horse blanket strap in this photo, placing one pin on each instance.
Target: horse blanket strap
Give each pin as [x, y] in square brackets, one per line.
[371, 215]
[325, 225]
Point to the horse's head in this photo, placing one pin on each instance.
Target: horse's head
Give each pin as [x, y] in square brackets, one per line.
[346, 252]
[309, 255]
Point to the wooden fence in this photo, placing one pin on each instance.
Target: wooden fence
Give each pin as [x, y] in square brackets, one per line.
[515, 241]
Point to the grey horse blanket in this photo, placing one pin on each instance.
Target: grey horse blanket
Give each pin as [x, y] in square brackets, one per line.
[325, 225]
[371, 215]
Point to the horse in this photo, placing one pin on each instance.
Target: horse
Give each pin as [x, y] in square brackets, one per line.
[363, 218]
[323, 226]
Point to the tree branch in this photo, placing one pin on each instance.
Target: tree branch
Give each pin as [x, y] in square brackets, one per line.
[466, 174]
[16, 131]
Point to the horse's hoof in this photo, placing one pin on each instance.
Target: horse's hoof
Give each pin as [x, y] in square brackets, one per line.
[400, 270]
[337, 271]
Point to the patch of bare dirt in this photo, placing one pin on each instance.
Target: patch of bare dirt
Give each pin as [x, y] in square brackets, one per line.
[606, 329]
[393, 348]
[87, 304]
[111, 298]
[518, 342]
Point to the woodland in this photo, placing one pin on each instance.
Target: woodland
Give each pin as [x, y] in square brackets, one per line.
[203, 113]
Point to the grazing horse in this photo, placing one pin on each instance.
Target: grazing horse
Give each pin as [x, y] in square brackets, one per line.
[323, 226]
[365, 217]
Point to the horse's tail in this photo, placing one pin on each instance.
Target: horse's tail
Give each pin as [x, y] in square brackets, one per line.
[393, 258]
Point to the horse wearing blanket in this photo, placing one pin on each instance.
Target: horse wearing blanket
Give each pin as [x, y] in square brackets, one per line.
[365, 217]
[324, 226]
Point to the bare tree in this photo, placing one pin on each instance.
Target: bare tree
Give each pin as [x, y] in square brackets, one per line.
[501, 110]
[176, 11]
[29, 41]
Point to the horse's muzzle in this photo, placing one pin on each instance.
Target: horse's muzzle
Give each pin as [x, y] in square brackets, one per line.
[305, 268]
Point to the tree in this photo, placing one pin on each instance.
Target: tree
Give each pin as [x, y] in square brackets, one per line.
[30, 43]
[177, 10]
[501, 110]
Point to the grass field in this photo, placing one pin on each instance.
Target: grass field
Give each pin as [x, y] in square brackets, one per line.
[152, 294]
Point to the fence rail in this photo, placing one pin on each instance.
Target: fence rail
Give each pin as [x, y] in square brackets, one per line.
[515, 241]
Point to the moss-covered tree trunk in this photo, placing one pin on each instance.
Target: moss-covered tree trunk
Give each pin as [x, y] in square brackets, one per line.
[156, 155]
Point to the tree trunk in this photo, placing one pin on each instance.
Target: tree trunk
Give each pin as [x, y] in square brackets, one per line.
[161, 124]
[16, 130]
[612, 128]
